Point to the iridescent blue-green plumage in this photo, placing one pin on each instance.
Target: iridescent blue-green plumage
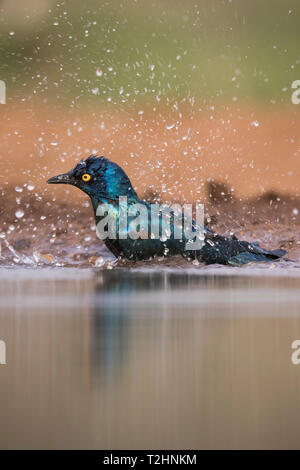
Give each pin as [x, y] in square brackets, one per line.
[108, 182]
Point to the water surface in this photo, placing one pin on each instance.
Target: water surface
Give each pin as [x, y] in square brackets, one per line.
[136, 358]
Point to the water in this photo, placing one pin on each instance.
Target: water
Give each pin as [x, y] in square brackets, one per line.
[147, 358]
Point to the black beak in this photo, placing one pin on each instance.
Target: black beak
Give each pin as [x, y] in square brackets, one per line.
[60, 179]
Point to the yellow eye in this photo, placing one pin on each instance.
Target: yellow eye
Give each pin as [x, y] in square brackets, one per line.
[86, 177]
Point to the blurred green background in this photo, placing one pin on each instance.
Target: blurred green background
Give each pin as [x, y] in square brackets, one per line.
[123, 52]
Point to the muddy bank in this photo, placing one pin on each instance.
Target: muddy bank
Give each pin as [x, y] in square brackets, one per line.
[176, 152]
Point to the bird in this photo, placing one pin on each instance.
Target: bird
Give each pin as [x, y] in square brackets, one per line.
[105, 182]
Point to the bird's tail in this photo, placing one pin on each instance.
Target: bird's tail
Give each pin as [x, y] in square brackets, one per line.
[251, 257]
[218, 249]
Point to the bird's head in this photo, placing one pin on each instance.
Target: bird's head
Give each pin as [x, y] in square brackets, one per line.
[98, 177]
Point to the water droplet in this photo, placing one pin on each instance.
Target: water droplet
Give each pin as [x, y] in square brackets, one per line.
[99, 262]
[19, 213]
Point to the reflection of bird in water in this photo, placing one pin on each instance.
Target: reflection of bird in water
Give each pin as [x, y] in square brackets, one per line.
[114, 319]
[111, 319]
[109, 338]
[105, 182]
